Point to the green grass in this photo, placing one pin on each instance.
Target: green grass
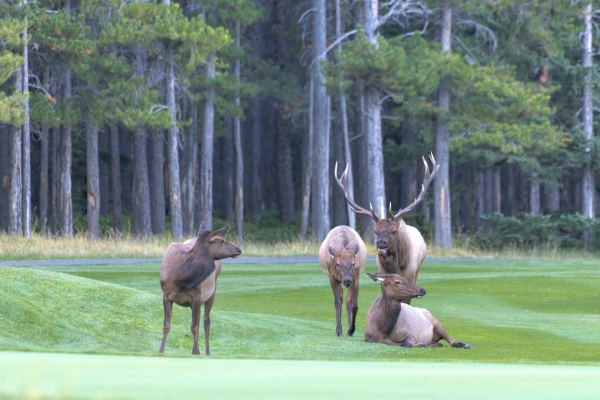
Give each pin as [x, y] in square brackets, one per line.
[508, 311]
[533, 327]
[64, 376]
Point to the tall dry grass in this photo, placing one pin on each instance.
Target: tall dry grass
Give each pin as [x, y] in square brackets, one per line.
[15, 248]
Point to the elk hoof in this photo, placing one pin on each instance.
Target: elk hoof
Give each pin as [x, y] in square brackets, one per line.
[369, 341]
[462, 345]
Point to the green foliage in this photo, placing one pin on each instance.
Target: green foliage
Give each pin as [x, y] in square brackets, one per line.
[532, 231]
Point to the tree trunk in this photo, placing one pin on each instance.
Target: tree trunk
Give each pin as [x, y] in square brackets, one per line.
[321, 222]
[479, 201]
[239, 165]
[93, 184]
[376, 181]
[256, 160]
[553, 198]
[206, 158]
[534, 194]
[115, 172]
[344, 121]
[511, 191]
[26, 144]
[15, 193]
[157, 184]
[588, 185]
[141, 224]
[55, 183]
[442, 234]
[228, 152]
[496, 193]
[307, 147]
[189, 180]
[365, 223]
[66, 202]
[43, 203]
[285, 176]
[173, 156]
[338, 207]
[5, 174]
[103, 149]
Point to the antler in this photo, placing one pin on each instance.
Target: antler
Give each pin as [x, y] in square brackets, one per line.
[426, 181]
[342, 181]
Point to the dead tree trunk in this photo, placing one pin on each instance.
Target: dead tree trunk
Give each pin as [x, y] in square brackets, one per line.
[239, 160]
[344, 120]
[15, 192]
[26, 169]
[93, 184]
[442, 234]
[173, 156]
[189, 176]
[321, 220]
[206, 158]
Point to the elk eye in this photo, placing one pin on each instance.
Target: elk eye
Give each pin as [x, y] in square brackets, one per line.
[222, 241]
[398, 283]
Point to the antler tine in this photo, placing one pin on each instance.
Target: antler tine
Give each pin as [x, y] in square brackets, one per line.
[341, 181]
[428, 177]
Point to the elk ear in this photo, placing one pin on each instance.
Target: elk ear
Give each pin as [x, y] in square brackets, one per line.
[219, 233]
[331, 251]
[355, 249]
[377, 277]
[202, 228]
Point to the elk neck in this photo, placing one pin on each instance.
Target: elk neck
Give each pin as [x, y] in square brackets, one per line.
[389, 311]
[196, 264]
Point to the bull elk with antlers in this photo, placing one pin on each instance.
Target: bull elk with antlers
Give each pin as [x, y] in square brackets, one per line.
[400, 247]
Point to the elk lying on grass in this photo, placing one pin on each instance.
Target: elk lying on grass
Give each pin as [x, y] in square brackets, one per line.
[343, 256]
[391, 322]
[400, 247]
[188, 277]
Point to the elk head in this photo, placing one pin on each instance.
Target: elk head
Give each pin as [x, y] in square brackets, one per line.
[216, 245]
[344, 263]
[397, 287]
[386, 228]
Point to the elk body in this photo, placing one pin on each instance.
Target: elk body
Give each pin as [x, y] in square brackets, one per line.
[395, 323]
[400, 247]
[188, 277]
[343, 256]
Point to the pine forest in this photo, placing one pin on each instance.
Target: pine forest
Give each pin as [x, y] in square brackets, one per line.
[134, 118]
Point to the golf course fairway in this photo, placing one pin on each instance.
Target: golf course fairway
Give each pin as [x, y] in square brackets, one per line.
[69, 376]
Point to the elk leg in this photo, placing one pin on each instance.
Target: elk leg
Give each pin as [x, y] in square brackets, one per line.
[338, 292]
[440, 333]
[352, 307]
[411, 342]
[207, 308]
[168, 306]
[195, 323]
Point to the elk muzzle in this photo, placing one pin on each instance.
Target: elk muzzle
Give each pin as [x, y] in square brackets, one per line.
[347, 282]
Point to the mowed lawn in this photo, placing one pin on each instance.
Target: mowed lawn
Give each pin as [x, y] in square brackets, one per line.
[510, 312]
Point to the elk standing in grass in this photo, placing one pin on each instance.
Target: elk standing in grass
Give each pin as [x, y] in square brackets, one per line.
[188, 277]
[400, 247]
[389, 321]
[343, 256]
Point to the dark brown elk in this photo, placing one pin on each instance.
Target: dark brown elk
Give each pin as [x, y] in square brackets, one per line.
[343, 256]
[400, 247]
[188, 277]
[390, 321]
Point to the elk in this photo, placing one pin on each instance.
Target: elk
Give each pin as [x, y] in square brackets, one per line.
[400, 247]
[188, 277]
[392, 322]
[343, 256]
